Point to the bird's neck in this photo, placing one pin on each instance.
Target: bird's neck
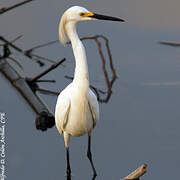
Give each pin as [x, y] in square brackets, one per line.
[81, 69]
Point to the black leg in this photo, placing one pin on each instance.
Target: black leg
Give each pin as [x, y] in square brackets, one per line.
[68, 170]
[89, 155]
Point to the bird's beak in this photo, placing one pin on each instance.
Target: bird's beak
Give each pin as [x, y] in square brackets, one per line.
[103, 17]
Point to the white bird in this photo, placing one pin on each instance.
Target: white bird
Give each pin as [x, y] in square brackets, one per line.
[77, 109]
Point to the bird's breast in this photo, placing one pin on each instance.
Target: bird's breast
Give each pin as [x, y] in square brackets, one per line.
[80, 118]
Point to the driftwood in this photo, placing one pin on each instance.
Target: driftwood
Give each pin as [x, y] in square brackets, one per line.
[135, 175]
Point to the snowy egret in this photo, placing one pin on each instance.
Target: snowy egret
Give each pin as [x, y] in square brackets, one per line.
[77, 109]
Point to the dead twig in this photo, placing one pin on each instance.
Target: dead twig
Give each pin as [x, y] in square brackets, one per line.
[27, 53]
[18, 64]
[8, 43]
[42, 45]
[47, 70]
[46, 80]
[173, 44]
[37, 57]
[46, 91]
[5, 9]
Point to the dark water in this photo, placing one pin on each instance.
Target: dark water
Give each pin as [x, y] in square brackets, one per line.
[140, 124]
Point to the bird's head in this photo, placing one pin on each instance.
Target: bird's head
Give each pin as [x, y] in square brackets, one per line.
[76, 14]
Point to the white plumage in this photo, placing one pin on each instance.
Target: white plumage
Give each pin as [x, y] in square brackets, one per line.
[77, 109]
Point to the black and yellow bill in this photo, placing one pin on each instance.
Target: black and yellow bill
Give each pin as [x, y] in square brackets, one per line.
[100, 17]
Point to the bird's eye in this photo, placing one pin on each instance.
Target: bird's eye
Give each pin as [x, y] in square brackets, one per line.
[82, 14]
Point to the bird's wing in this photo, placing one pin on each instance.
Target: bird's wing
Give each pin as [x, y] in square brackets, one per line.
[62, 111]
[94, 107]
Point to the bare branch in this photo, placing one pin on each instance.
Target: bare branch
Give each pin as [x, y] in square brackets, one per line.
[43, 58]
[47, 80]
[173, 44]
[28, 53]
[17, 38]
[137, 173]
[47, 70]
[109, 83]
[14, 60]
[11, 44]
[46, 91]
[42, 45]
[21, 85]
[4, 9]
[27, 89]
